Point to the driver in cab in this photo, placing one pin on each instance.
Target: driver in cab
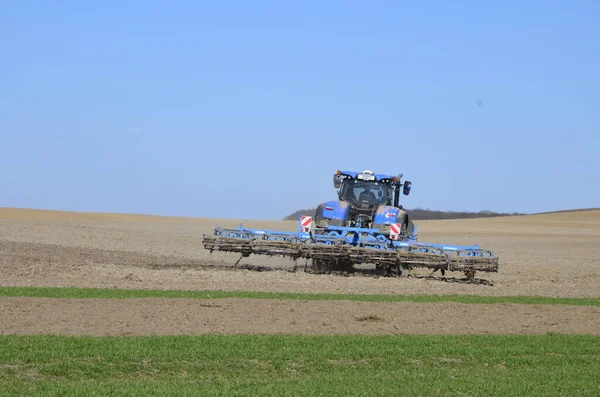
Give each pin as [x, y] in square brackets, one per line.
[367, 195]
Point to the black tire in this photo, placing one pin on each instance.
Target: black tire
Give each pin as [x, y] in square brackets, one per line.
[320, 265]
[326, 266]
[343, 266]
[319, 220]
[408, 227]
[389, 270]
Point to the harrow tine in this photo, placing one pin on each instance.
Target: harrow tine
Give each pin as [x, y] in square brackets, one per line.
[238, 261]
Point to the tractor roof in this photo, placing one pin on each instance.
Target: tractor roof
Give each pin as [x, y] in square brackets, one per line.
[378, 177]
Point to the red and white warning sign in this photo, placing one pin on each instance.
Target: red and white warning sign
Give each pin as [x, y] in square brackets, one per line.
[395, 231]
[305, 223]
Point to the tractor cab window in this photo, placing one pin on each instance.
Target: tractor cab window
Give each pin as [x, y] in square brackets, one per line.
[360, 193]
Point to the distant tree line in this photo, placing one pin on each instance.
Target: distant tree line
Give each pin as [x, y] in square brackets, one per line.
[421, 214]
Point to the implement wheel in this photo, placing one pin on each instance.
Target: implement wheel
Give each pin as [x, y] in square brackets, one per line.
[326, 266]
[320, 265]
[389, 270]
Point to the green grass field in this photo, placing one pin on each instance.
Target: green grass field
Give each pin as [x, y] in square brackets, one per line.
[495, 365]
[124, 293]
[546, 365]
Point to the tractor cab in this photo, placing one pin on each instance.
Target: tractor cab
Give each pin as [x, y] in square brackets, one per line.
[367, 190]
[365, 194]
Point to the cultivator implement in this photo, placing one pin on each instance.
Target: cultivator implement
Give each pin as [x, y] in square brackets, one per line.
[338, 247]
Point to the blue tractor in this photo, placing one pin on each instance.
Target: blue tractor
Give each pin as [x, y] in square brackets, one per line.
[366, 224]
[367, 200]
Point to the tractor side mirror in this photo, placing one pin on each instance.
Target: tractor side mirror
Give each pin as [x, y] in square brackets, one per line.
[406, 188]
[336, 181]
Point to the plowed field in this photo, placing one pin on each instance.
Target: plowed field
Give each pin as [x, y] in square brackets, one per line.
[555, 255]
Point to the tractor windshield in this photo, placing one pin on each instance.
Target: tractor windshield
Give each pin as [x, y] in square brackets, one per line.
[364, 194]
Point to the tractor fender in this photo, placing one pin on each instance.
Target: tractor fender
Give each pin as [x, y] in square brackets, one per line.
[385, 215]
[334, 213]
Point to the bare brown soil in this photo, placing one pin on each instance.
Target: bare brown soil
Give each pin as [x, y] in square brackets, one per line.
[550, 255]
[547, 255]
[109, 317]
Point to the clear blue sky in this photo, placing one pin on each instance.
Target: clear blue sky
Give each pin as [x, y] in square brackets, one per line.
[245, 109]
